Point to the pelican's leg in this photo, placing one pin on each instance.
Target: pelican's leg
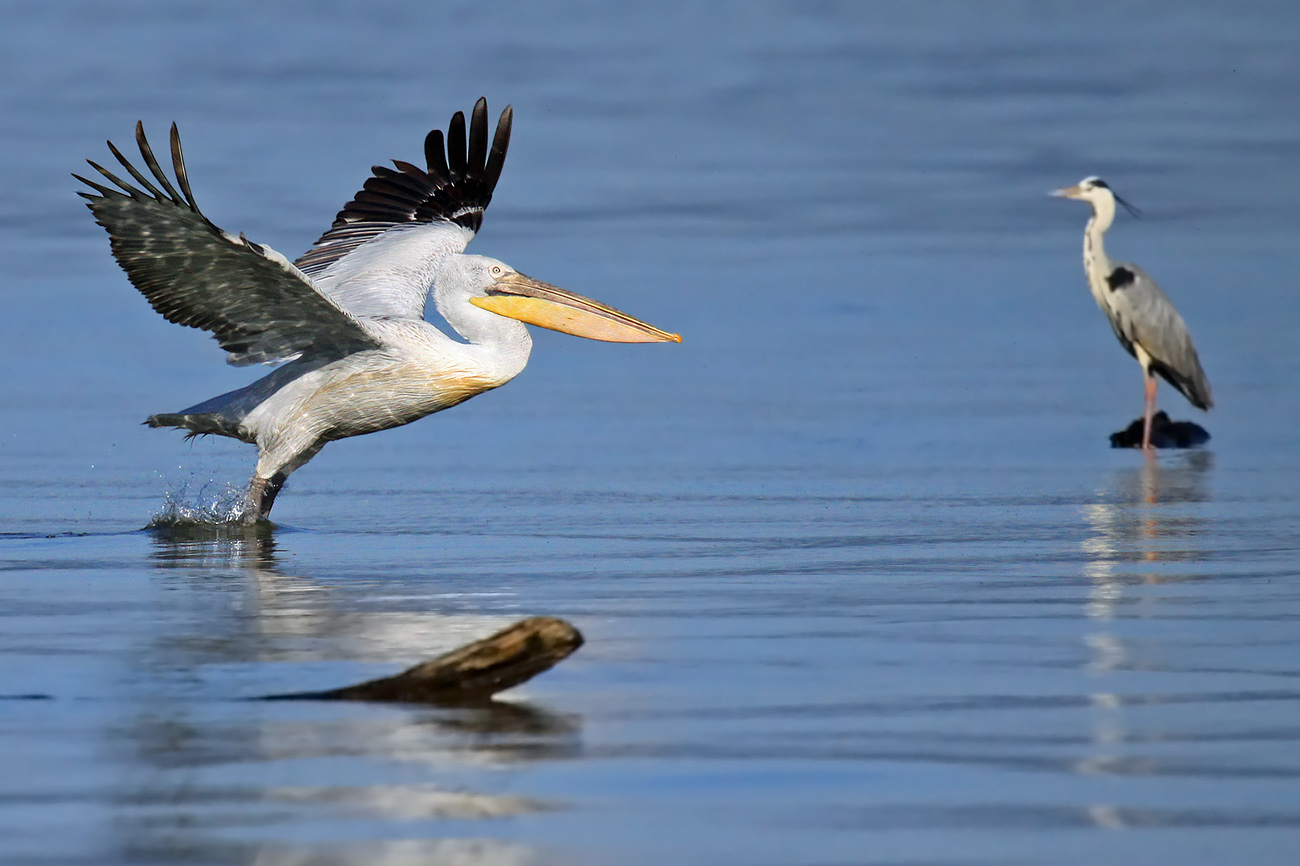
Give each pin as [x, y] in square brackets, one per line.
[253, 501]
[1150, 411]
[261, 496]
[272, 471]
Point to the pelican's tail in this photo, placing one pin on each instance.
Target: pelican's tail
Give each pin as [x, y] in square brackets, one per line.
[200, 424]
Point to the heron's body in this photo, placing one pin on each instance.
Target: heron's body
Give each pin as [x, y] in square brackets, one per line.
[346, 321]
[1144, 320]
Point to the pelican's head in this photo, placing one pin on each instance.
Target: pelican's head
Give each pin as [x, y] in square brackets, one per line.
[1096, 192]
[503, 290]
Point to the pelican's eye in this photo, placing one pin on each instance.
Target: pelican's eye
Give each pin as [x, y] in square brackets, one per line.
[496, 271]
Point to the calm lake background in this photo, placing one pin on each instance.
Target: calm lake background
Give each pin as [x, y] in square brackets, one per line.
[861, 579]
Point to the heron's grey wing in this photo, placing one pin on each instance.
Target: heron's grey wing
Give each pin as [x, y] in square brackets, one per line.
[1141, 314]
[259, 306]
[377, 258]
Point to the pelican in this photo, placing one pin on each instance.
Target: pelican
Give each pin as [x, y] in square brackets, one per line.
[345, 322]
[1144, 320]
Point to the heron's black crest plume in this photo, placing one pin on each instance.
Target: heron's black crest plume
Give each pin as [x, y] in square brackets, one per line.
[1127, 206]
[1097, 183]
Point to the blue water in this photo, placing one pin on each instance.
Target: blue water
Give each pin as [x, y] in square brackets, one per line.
[861, 580]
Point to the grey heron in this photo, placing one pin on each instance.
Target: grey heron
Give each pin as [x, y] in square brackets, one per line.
[345, 322]
[1144, 320]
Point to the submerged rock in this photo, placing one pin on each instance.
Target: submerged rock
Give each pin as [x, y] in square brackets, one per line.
[1164, 434]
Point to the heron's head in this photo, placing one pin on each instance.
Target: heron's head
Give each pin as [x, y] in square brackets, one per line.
[1096, 192]
[499, 288]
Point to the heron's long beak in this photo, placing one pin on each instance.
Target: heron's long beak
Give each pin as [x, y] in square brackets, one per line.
[536, 303]
[1067, 192]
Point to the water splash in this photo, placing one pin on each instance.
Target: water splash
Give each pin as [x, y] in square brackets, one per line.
[222, 507]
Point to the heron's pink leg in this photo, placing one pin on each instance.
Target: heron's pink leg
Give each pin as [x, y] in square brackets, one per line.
[1150, 411]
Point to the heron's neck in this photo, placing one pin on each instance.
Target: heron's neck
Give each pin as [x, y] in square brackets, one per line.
[1095, 261]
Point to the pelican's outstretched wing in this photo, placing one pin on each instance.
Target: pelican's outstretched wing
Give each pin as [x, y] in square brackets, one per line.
[259, 306]
[1142, 314]
[376, 259]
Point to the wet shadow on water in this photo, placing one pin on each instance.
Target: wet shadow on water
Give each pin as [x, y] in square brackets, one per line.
[215, 543]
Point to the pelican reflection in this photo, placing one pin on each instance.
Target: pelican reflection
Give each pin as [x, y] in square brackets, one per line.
[235, 623]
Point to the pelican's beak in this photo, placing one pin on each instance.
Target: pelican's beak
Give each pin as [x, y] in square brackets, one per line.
[536, 303]
[1068, 192]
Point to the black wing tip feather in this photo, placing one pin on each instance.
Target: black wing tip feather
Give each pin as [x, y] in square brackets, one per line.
[500, 144]
[456, 185]
[167, 193]
[194, 274]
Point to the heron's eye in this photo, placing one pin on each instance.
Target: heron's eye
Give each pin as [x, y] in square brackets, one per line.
[496, 270]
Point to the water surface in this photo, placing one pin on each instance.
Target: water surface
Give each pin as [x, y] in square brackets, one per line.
[861, 581]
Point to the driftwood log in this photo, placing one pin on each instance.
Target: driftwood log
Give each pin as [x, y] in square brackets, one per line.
[471, 674]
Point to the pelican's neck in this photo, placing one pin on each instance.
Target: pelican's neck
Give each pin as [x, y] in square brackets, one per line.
[500, 344]
[1095, 261]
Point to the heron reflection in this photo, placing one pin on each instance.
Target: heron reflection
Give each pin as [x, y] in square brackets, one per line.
[1143, 530]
